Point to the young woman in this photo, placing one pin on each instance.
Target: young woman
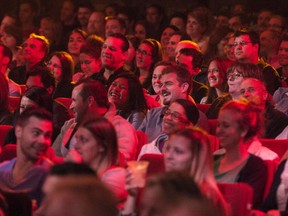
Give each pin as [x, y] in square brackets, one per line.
[126, 93]
[238, 122]
[62, 67]
[97, 145]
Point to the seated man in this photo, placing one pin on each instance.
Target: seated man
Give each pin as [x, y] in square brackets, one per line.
[28, 170]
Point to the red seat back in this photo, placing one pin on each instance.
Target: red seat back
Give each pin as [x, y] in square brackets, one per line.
[142, 140]
[203, 107]
[3, 131]
[278, 146]
[8, 152]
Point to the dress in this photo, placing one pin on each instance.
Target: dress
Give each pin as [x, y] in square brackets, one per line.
[31, 184]
[252, 171]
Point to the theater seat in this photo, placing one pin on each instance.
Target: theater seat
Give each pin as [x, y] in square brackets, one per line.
[3, 131]
[278, 146]
[156, 163]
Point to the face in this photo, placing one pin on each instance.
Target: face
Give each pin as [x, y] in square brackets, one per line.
[118, 92]
[243, 48]
[55, 66]
[221, 21]
[179, 23]
[25, 13]
[113, 26]
[32, 50]
[253, 91]
[96, 23]
[229, 49]
[6, 21]
[79, 106]
[47, 30]
[8, 40]
[34, 81]
[67, 11]
[26, 103]
[112, 56]
[140, 32]
[275, 24]
[83, 16]
[187, 61]
[87, 146]
[234, 23]
[171, 47]
[34, 138]
[178, 156]
[228, 129]
[144, 56]
[152, 15]
[156, 78]
[214, 76]
[130, 54]
[89, 65]
[263, 20]
[234, 81]
[193, 27]
[283, 53]
[166, 35]
[266, 43]
[174, 119]
[171, 88]
[75, 42]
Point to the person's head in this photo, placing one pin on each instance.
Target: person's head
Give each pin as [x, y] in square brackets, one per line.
[28, 10]
[189, 151]
[140, 30]
[176, 83]
[283, 52]
[33, 133]
[68, 11]
[96, 23]
[263, 19]
[114, 25]
[35, 48]
[172, 44]
[235, 22]
[41, 76]
[4, 93]
[167, 32]
[157, 74]
[221, 19]
[8, 20]
[61, 65]
[111, 9]
[269, 43]
[5, 58]
[76, 39]
[90, 54]
[12, 37]
[134, 43]
[180, 114]
[246, 45]
[126, 92]
[179, 20]
[185, 44]
[238, 121]
[148, 54]
[277, 23]
[51, 29]
[237, 72]
[35, 97]
[255, 91]
[114, 51]
[88, 95]
[229, 48]
[155, 14]
[79, 195]
[85, 8]
[96, 142]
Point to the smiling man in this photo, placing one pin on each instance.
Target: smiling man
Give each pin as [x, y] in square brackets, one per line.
[28, 170]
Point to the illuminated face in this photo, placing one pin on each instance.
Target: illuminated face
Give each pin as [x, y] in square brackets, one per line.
[26, 103]
[214, 76]
[7, 21]
[8, 40]
[75, 42]
[244, 49]
[55, 66]
[79, 106]
[171, 47]
[234, 81]
[165, 37]
[283, 53]
[178, 156]
[254, 91]
[144, 56]
[156, 78]
[32, 50]
[89, 65]
[118, 92]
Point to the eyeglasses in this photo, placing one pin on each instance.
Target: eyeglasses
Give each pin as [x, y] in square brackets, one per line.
[242, 43]
[233, 76]
[143, 52]
[175, 116]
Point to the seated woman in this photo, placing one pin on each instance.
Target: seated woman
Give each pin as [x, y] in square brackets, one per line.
[217, 80]
[237, 164]
[62, 67]
[188, 151]
[126, 93]
[96, 144]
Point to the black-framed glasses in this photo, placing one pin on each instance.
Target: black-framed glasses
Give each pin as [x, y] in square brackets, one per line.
[175, 116]
[143, 52]
[242, 43]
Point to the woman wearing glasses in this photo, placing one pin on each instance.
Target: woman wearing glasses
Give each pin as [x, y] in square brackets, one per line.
[148, 54]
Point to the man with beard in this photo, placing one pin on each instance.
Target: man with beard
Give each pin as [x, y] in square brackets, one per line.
[113, 55]
[28, 170]
[176, 82]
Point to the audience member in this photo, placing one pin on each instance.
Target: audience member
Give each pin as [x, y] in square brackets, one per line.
[173, 41]
[283, 57]
[85, 9]
[140, 30]
[263, 19]
[8, 20]
[179, 20]
[114, 25]
[96, 24]
[277, 23]
[130, 61]
[167, 32]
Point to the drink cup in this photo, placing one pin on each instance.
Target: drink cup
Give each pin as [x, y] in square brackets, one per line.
[139, 169]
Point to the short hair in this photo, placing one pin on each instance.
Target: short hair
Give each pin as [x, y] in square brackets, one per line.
[253, 35]
[45, 74]
[246, 70]
[16, 32]
[197, 57]
[183, 35]
[183, 75]
[95, 89]
[93, 46]
[38, 112]
[86, 4]
[44, 40]
[250, 116]
[70, 168]
[120, 21]
[104, 132]
[204, 16]
[81, 32]
[125, 43]
[67, 64]
[190, 109]
[6, 52]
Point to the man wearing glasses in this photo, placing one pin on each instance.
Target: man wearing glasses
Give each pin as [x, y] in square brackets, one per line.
[246, 49]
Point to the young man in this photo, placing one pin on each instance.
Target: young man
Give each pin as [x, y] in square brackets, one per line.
[28, 170]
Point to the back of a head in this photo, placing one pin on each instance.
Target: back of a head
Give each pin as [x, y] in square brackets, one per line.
[93, 46]
[39, 112]
[45, 75]
[70, 168]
